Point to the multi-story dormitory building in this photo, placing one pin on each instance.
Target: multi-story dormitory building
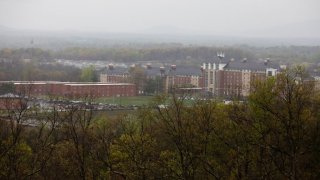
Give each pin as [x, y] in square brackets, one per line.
[234, 78]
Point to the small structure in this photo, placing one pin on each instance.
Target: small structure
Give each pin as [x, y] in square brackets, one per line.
[12, 102]
[115, 75]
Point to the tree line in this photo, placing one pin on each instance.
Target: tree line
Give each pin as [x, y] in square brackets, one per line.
[165, 53]
[34, 71]
[123, 54]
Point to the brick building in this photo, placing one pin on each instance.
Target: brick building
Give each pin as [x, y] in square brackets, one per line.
[183, 77]
[75, 89]
[102, 90]
[234, 78]
[115, 75]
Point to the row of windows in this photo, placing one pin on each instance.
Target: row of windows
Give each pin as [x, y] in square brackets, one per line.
[105, 95]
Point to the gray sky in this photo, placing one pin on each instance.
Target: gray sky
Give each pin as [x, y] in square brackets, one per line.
[210, 17]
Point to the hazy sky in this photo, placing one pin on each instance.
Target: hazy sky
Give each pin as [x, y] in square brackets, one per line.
[216, 17]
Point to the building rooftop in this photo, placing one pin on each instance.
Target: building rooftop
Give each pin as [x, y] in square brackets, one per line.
[155, 70]
[100, 84]
[10, 95]
[117, 71]
[186, 70]
[245, 64]
[253, 66]
[179, 70]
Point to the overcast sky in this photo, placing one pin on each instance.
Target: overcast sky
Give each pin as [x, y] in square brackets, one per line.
[214, 17]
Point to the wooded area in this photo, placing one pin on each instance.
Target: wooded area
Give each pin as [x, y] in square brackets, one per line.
[167, 53]
[273, 135]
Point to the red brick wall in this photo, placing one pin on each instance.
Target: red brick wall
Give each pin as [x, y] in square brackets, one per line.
[114, 78]
[201, 81]
[232, 83]
[102, 90]
[94, 90]
[257, 76]
[12, 103]
[182, 80]
[229, 83]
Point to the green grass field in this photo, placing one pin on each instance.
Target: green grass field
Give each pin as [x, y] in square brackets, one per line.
[136, 100]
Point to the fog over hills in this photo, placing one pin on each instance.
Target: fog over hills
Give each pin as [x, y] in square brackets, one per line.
[217, 22]
[10, 37]
[305, 29]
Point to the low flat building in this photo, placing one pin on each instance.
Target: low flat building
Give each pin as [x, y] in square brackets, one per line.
[74, 89]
